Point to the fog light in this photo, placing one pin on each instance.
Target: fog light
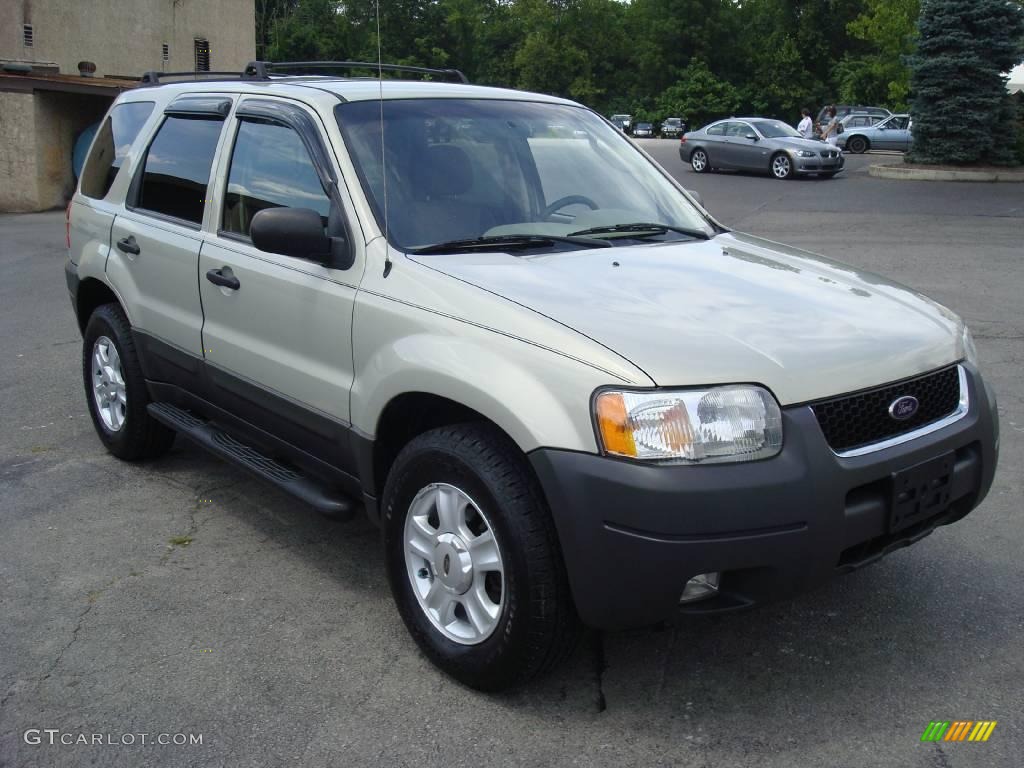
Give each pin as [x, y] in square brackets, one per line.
[700, 587]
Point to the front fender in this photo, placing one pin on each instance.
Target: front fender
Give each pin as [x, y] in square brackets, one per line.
[538, 397]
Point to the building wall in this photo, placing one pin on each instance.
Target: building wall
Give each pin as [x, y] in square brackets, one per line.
[17, 168]
[124, 37]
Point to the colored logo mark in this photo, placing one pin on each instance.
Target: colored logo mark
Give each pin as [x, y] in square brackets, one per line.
[958, 730]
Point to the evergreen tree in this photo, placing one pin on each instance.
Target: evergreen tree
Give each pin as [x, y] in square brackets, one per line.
[960, 103]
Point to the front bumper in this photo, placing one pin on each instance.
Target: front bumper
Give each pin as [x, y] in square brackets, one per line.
[820, 164]
[632, 535]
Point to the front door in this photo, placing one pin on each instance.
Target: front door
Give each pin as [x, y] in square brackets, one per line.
[278, 347]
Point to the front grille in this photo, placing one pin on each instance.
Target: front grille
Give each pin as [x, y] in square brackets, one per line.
[861, 419]
[830, 153]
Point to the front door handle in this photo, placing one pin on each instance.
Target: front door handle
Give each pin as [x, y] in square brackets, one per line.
[128, 245]
[223, 278]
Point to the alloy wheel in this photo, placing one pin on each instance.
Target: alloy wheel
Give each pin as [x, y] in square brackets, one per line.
[454, 564]
[781, 167]
[108, 387]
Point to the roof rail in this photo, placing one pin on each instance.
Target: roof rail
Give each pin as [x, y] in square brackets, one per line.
[261, 70]
[154, 77]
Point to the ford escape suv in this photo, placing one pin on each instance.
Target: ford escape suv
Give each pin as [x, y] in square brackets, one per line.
[565, 393]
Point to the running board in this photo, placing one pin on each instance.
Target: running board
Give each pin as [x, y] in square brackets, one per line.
[208, 435]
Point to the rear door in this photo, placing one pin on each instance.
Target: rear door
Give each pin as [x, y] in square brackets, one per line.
[155, 239]
[278, 348]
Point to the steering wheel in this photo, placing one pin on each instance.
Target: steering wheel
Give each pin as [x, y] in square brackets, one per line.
[562, 202]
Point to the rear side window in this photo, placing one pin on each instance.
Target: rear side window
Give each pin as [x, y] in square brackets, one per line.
[717, 130]
[176, 170]
[113, 140]
[270, 168]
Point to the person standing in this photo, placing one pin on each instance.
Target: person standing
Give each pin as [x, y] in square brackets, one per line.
[831, 132]
[806, 126]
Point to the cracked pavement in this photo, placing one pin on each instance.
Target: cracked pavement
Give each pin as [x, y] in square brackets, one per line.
[272, 633]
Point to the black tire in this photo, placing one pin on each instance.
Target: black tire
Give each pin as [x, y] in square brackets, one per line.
[699, 160]
[140, 436]
[858, 145]
[537, 627]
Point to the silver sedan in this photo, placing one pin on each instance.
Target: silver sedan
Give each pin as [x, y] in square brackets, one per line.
[758, 144]
[894, 132]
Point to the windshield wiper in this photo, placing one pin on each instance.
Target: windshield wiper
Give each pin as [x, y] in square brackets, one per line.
[510, 242]
[641, 227]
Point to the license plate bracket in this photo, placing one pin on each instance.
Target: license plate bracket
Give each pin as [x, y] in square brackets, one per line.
[921, 492]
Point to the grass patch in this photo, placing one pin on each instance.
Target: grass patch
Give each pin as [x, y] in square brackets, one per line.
[180, 541]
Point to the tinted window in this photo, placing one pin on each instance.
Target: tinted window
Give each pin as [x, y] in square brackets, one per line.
[897, 123]
[717, 130]
[177, 168]
[776, 129]
[113, 140]
[270, 168]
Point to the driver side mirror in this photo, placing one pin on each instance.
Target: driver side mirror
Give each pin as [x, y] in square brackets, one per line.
[751, 136]
[299, 232]
[696, 196]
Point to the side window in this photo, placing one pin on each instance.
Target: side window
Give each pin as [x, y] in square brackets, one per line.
[738, 130]
[270, 168]
[899, 123]
[717, 130]
[176, 170]
[113, 140]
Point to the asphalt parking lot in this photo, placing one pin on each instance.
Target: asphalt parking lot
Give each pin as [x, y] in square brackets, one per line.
[184, 597]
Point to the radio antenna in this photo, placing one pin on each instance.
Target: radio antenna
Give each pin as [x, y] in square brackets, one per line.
[383, 155]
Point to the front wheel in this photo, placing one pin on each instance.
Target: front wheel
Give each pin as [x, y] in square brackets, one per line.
[782, 166]
[473, 558]
[699, 161]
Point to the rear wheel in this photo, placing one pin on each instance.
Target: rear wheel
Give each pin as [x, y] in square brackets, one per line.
[116, 389]
[782, 166]
[857, 145]
[473, 558]
[699, 161]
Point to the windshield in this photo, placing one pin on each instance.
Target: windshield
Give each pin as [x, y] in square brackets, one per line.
[459, 169]
[775, 129]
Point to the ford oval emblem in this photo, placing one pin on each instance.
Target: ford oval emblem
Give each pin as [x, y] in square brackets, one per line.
[902, 408]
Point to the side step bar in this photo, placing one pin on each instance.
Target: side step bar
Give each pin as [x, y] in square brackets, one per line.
[214, 439]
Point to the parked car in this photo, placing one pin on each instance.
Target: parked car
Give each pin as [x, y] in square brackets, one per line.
[643, 130]
[623, 122]
[842, 110]
[552, 421]
[859, 120]
[673, 128]
[891, 133]
[758, 144]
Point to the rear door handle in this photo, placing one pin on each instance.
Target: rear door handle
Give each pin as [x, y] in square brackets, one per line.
[223, 278]
[128, 245]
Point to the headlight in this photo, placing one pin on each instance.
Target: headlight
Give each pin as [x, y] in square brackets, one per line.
[804, 153]
[721, 424]
[970, 351]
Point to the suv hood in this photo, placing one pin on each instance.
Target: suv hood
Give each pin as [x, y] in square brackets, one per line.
[729, 310]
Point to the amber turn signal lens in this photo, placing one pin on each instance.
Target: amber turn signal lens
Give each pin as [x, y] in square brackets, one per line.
[616, 436]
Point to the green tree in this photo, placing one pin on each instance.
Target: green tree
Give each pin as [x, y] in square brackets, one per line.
[698, 96]
[880, 75]
[961, 109]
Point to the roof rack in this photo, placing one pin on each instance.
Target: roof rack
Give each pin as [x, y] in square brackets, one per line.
[262, 70]
[154, 77]
[265, 70]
